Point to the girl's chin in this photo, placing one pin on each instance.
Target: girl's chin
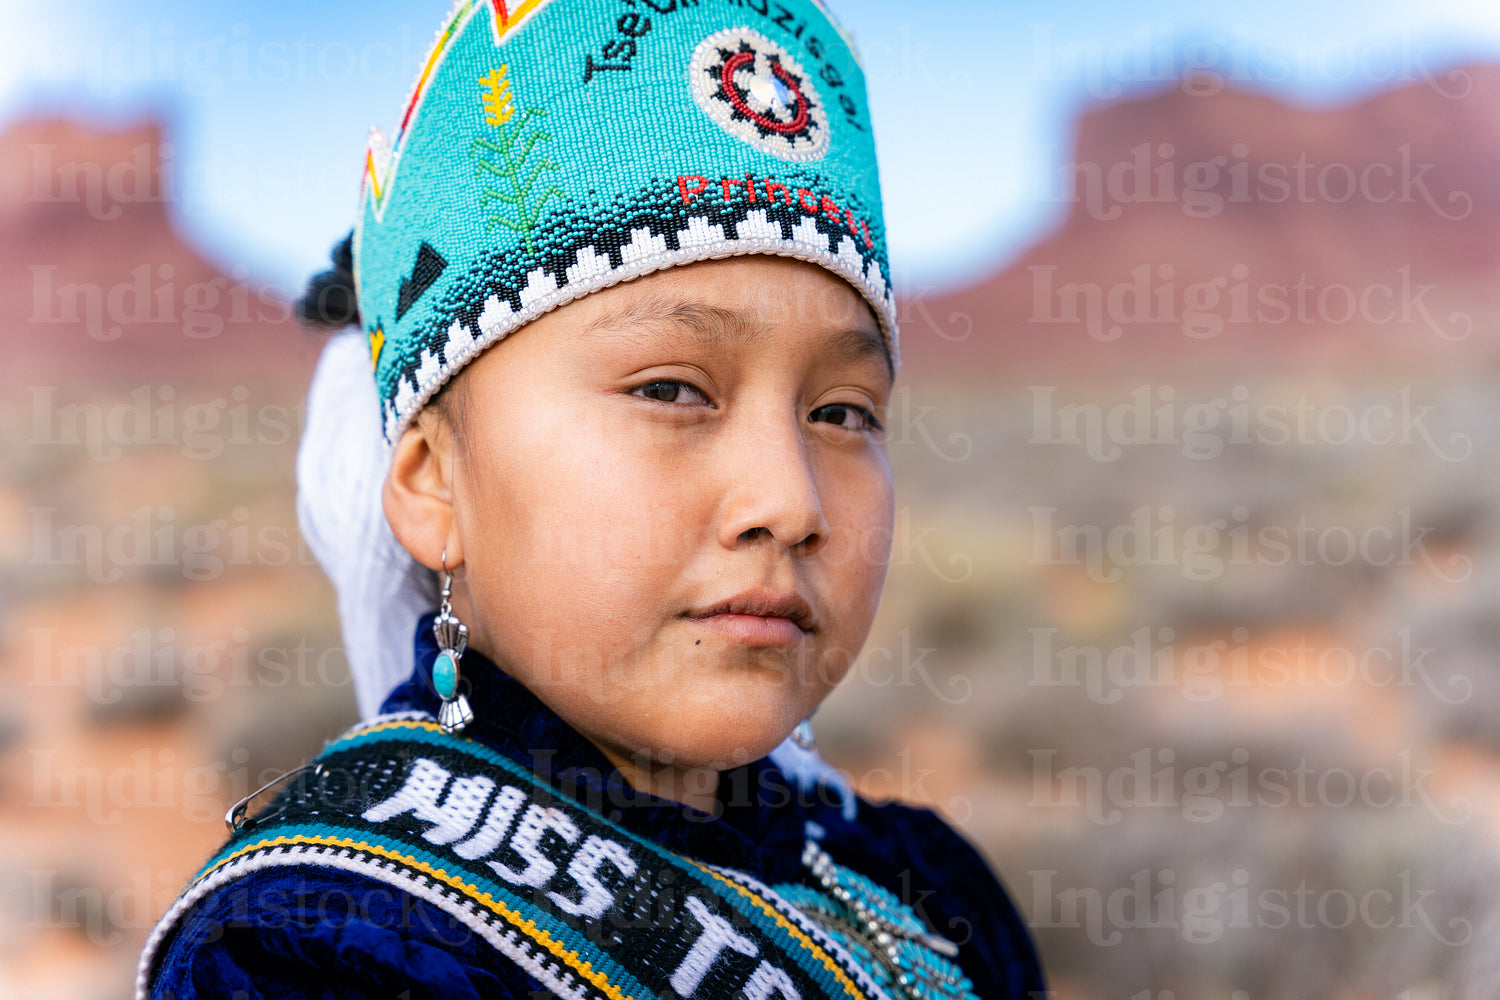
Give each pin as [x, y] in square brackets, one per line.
[716, 748]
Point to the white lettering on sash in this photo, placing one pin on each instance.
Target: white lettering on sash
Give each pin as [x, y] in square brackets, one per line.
[419, 796]
[454, 815]
[502, 813]
[424, 783]
[461, 809]
[717, 935]
[584, 869]
[527, 843]
[768, 979]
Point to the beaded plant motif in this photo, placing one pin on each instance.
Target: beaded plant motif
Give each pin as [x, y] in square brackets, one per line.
[882, 933]
[510, 174]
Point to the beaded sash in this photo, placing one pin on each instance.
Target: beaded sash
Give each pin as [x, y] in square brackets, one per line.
[586, 907]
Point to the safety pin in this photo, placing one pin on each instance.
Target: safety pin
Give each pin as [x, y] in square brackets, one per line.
[235, 817]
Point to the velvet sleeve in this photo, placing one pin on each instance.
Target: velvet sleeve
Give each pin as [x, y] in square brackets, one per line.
[309, 934]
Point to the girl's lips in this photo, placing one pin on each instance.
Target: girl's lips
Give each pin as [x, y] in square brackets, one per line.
[758, 617]
[761, 603]
[753, 630]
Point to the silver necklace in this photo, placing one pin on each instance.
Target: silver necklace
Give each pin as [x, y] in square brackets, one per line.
[881, 932]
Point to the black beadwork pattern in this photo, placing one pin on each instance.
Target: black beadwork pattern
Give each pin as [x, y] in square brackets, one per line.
[428, 268]
[610, 228]
[648, 928]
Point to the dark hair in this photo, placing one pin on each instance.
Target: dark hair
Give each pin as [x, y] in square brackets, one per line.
[330, 301]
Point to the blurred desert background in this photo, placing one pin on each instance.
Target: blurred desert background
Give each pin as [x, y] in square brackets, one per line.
[1191, 617]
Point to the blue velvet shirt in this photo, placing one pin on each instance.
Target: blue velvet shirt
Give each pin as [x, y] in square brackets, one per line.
[309, 932]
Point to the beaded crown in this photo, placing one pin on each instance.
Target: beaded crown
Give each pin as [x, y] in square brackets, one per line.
[551, 148]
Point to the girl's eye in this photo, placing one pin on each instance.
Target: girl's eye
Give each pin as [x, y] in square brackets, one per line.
[847, 416]
[669, 391]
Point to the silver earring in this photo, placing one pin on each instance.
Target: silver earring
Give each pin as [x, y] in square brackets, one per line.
[452, 638]
[803, 734]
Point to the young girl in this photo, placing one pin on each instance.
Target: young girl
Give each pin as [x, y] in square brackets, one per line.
[608, 521]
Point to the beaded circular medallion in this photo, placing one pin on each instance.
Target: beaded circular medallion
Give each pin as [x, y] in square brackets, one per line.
[757, 92]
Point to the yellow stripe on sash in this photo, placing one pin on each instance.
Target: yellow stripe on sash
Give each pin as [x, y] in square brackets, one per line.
[527, 927]
[796, 932]
[793, 930]
[397, 724]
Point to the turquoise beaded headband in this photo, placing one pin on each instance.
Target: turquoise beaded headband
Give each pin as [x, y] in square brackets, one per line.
[551, 148]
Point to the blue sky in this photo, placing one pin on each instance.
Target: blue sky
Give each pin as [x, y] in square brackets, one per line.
[269, 102]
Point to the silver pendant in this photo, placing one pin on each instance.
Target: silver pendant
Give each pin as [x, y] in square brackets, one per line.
[455, 714]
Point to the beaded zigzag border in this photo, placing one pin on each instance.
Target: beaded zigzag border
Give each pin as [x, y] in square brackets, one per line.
[647, 251]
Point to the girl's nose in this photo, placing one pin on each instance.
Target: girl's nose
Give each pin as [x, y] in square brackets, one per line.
[770, 488]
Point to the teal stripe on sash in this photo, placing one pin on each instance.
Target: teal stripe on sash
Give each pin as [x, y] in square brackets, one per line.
[600, 959]
[765, 924]
[401, 737]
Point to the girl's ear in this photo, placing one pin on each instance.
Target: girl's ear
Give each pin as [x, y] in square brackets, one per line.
[418, 494]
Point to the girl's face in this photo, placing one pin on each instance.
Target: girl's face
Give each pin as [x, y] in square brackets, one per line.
[675, 507]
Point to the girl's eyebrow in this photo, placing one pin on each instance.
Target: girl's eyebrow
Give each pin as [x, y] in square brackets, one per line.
[717, 327]
[860, 343]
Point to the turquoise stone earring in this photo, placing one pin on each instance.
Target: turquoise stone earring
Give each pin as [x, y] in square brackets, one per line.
[452, 639]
